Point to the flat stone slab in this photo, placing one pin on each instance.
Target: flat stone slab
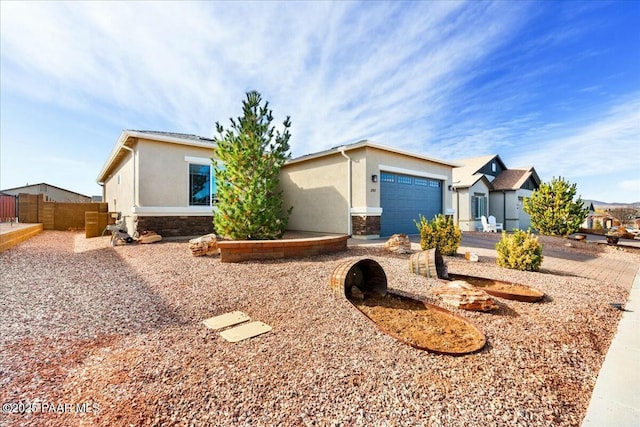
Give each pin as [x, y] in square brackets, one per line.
[242, 332]
[227, 319]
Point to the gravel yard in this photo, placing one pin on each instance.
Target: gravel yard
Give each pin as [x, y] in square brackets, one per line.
[121, 330]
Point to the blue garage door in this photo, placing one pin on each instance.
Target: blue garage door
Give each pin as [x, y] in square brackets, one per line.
[404, 198]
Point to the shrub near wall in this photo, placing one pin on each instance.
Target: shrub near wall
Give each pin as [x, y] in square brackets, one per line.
[519, 251]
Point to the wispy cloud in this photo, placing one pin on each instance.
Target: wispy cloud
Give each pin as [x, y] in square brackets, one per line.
[342, 71]
[604, 145]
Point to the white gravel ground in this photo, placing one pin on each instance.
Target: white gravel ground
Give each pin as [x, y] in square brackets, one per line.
[120, 328]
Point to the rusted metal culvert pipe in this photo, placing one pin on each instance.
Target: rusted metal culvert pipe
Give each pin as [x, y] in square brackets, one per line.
[365, 274]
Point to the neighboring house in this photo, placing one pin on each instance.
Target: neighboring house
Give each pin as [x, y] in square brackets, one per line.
[589, 221]
[51, 193]
[161, 181]
[365, 190]
[164, 182]
[485, 186]
[604, 219]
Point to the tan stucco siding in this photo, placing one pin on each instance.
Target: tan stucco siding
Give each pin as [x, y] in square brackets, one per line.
[118, 188]
[317, 191]
[462, 205]
[358, 176]
[163, 172]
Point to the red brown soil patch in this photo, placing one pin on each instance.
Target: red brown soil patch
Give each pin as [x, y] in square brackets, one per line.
[502, 289]
[420, 324]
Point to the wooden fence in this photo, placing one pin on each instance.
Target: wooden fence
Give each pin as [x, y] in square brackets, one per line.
[33, 208]
[8, 208]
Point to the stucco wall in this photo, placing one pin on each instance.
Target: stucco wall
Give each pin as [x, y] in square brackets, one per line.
[317, 191]
[164, 173]
[118, 188]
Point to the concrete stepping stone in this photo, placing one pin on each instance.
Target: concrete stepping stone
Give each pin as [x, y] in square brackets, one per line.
[242, 332]
[225, 320]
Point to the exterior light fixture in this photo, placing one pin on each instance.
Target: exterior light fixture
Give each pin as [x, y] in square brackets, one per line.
[374, 178]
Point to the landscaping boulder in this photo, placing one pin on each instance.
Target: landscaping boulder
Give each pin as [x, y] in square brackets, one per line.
[398, 243]
[149, 237]
[204, 245]
[463, 295]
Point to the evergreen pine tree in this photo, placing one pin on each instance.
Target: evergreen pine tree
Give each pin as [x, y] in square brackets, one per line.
[249, 205]
[553, 210]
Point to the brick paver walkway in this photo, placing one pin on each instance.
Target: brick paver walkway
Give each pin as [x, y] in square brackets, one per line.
[562, 262]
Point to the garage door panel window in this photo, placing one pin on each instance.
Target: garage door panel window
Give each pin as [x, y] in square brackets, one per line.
[387, 177]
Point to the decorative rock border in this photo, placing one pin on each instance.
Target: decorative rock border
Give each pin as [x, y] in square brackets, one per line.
[245, 250]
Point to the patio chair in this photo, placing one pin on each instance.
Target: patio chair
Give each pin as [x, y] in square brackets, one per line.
[486, 227]
[495, 226]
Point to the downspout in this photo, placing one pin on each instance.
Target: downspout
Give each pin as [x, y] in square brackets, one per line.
[349, 184]
[504, 209]
[133, 154]
[454, 189]
[104, 191]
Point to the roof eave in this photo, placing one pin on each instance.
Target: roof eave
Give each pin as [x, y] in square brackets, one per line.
[102, 176]
[130, 134]
[369, 144]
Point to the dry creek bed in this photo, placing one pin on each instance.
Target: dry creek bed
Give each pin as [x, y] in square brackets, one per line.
[121, 328]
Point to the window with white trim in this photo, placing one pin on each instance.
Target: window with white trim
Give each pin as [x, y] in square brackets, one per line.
[479, 205]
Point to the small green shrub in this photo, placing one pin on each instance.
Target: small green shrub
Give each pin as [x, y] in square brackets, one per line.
[519, 251]
[439, 233]
[597, 225]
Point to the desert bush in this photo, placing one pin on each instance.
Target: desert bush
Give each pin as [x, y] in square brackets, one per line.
[520, 251]
[553, 210]
[439, 233]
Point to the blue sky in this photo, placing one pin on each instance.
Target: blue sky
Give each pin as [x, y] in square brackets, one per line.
[554, 85]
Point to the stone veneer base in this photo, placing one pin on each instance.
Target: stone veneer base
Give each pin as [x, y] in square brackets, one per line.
[176, 226]
[362, 225]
